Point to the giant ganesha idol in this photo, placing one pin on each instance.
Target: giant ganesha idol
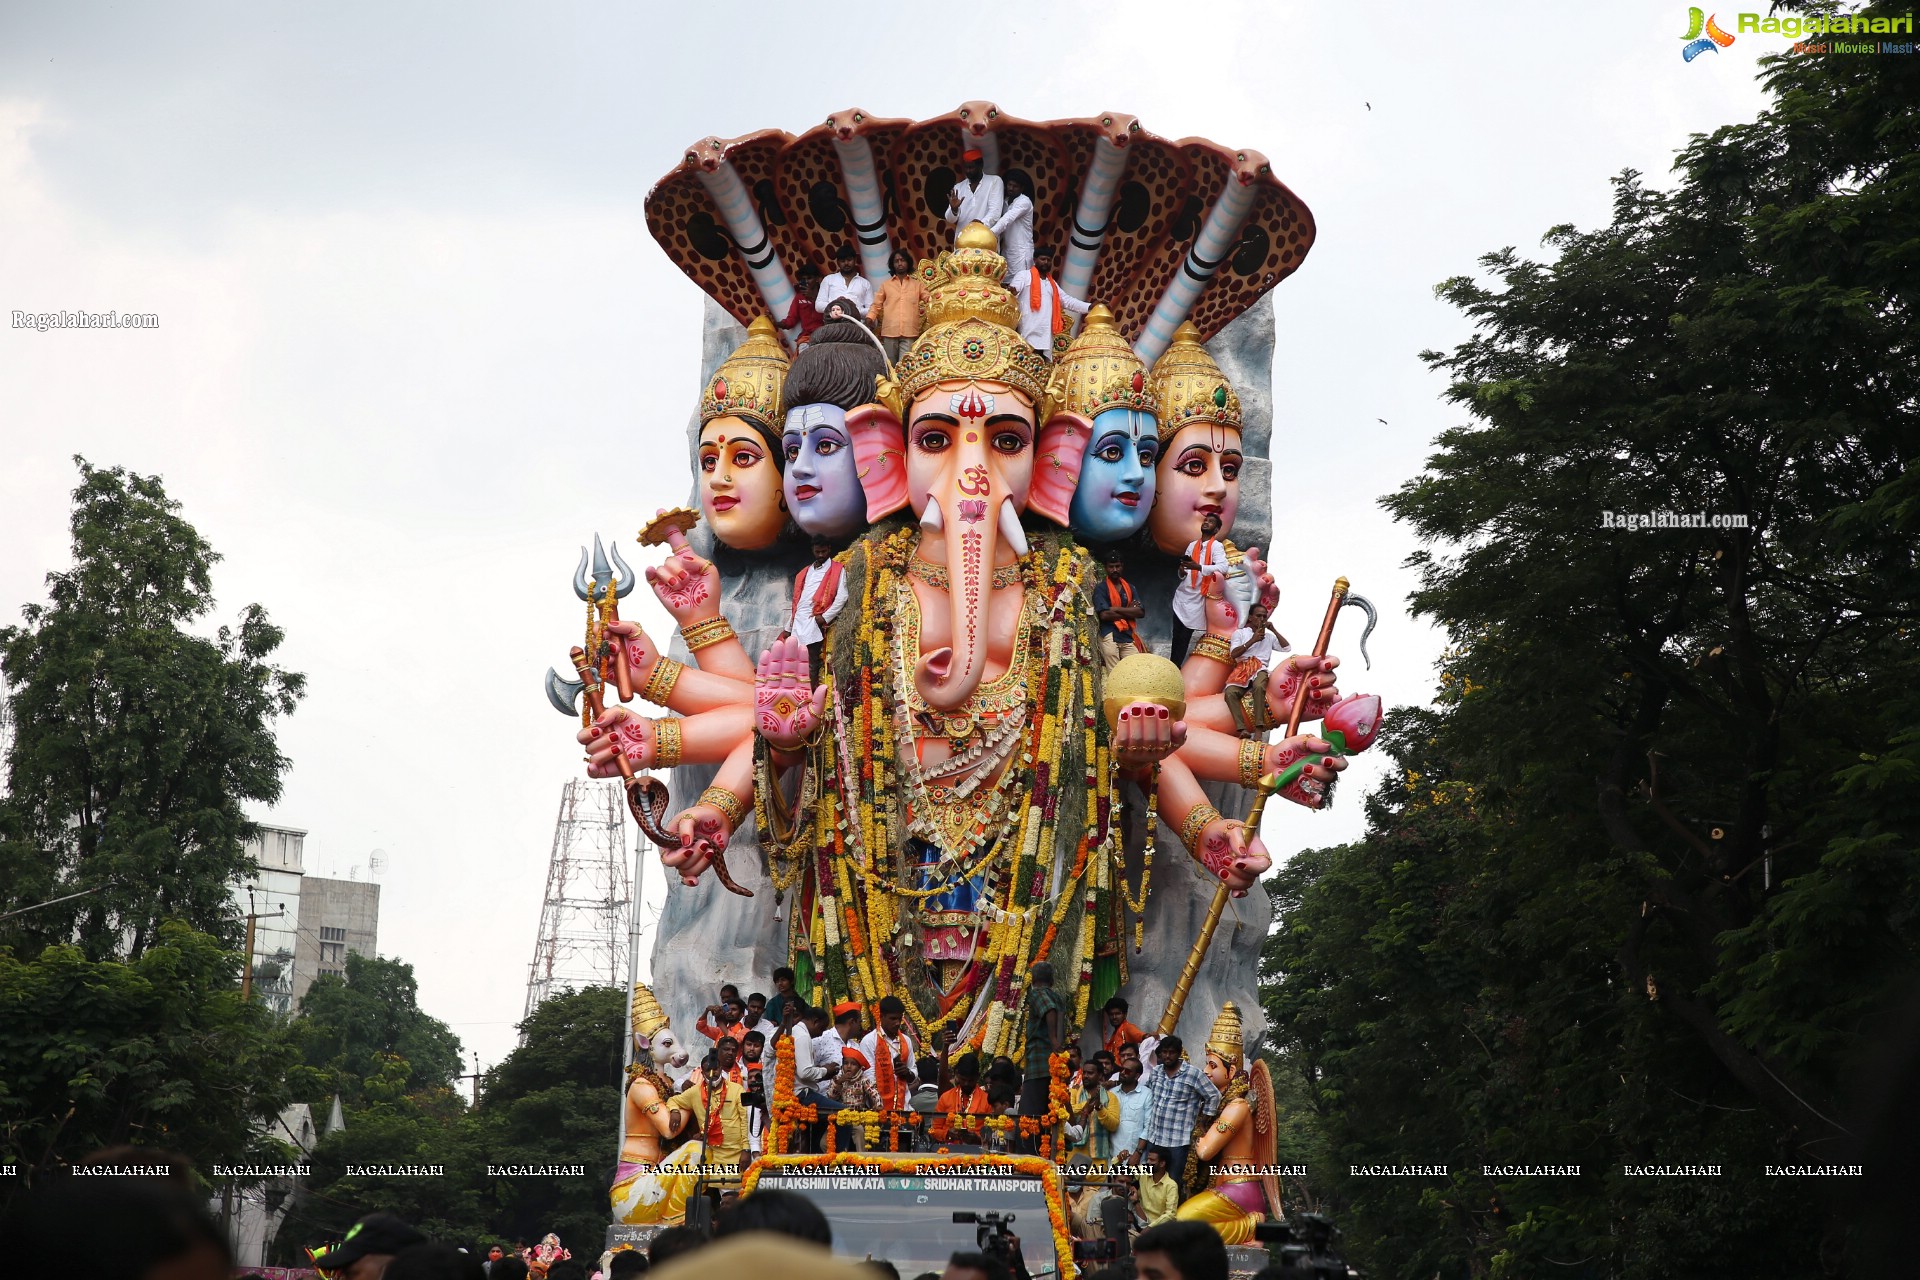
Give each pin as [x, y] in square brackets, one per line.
[942, 809]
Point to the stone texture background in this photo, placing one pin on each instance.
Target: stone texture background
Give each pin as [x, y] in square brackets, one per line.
[707, 936]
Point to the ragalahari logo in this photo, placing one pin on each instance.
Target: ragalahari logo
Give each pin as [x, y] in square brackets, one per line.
[1714, 39]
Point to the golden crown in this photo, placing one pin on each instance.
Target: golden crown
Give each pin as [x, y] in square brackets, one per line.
[971, 332]
[1190, 386]
[1098, 372]
[1225, 1039]
[647, 1017]
[748, 384]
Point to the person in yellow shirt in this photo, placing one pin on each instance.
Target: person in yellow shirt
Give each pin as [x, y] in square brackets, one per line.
[713, 1110]
[900, 306]
[1159, 1194]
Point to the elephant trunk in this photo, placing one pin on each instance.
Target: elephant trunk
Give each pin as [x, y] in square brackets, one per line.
[947, 677]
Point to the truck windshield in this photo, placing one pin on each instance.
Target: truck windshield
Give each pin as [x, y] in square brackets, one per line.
[908, 1221]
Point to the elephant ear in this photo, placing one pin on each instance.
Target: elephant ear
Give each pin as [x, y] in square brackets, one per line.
[880, 454]
[1056, 464]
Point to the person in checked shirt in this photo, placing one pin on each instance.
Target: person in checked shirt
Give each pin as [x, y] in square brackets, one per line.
[1181, 1095]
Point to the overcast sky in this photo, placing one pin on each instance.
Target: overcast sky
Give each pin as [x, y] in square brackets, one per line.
[415, 343]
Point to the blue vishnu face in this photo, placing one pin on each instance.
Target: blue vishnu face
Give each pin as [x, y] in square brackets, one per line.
[1115, 492]
[822, 483]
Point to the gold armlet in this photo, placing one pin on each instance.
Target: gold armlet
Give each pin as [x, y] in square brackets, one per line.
[704, 635]
[1253, 756]
[1196, 822]
[1215, 647]
[723, 800]
[666, 742]
[659, 686]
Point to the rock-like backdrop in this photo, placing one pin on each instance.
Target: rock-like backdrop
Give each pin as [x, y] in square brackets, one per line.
[708, 936]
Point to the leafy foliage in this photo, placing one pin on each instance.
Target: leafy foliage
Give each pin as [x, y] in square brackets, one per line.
[135, 742]
[364, 1036]
[158, 1051]
[1646, 877]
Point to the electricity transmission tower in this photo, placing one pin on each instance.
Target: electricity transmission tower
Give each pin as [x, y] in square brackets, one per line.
[590, 897]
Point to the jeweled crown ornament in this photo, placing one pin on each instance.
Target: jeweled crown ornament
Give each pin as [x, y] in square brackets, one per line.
[1190, 386]
[647, 1016]
[1099, 372]
[971, 328]
[1225, 1039]
[748, 385]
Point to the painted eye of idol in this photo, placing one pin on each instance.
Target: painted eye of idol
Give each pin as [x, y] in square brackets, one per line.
[1011, 434]
[933, 432]
[1230, 465]
[1194, 461]
[790, 445]
[745, 456]
[826, 444]
[709, 458]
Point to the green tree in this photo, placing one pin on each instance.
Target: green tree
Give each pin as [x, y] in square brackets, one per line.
[136, 742]
[159, 1051]
[354, 1029]
[1645, 877]
[555, 1100]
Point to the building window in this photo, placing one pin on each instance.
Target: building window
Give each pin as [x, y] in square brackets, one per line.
[332, 954]
[332, 935]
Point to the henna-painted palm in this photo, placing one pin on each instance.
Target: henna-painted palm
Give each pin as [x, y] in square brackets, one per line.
[686, 584]
[1323, 686]
[633, 646]
[1146, 733]
[618, 731]
[785, 711]
[1311, 788]
[1234, 854]
[704, 832]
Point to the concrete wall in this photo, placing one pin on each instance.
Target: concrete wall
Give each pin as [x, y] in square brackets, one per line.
[352, 906]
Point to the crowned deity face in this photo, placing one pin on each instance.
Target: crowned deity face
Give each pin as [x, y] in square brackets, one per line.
[740, 485]
[1199, 473]
[1219, 1070]
[822, 483]
[1117, 476]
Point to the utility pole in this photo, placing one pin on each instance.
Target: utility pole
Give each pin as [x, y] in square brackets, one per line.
[474, 1076]
[246, 973]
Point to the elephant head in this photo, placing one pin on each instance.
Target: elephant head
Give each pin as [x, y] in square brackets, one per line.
[971, 391]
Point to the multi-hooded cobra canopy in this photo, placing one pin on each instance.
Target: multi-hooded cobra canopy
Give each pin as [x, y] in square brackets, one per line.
[1160, 231]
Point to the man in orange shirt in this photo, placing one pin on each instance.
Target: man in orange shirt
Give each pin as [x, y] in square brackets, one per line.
[900, 307]
[965, 1098]
[1119, 1030]
[730, 1025]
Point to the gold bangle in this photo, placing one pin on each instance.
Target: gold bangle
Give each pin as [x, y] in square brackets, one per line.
[1253, 758]
[725, 801]
[1197, 820]
[1213, 646]
[666, 742]
[703, 635]
[659, 686]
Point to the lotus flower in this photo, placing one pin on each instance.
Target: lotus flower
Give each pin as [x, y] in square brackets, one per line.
[973, 510]
[1356, 718]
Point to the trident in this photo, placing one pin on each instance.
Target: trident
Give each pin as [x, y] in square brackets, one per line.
[603, 592]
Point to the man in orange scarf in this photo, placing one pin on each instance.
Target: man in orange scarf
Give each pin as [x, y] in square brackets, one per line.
[1043, 324]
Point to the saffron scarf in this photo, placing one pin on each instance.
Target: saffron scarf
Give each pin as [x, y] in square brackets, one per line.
[1206, 549]
[1034, 289]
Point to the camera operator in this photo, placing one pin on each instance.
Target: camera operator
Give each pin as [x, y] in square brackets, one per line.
[998, 1256]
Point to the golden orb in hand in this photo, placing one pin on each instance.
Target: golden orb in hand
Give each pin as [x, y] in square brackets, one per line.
[1144, 677]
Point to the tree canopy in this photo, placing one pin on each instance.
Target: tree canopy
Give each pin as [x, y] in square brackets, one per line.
[1644, 883]
[136, 742]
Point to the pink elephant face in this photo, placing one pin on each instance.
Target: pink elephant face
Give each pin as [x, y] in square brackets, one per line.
[969, 440]
[1199, 473]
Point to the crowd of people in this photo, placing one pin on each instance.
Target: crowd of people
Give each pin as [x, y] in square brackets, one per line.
[896, 311]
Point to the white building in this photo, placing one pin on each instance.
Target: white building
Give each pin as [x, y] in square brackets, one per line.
[305, 924]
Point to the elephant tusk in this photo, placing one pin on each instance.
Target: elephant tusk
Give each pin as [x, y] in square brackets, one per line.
[932, 521]
[1010, 529]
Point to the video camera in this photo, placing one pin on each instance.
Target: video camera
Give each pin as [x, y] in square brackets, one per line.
[1306, 1243]
[992, 1233]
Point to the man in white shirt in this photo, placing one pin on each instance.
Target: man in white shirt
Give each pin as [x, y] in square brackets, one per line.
[1136, 1100]
[1203, 573]
[845, 282]
[1015, 224]
[1041, 303]
[819, 594]
[979, 197]
[898, 1046]
[1253, 648]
